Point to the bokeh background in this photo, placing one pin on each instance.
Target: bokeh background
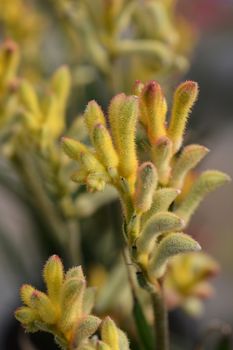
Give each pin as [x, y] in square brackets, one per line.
[22, 251]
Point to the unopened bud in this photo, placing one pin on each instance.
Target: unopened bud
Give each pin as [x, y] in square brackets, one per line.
[43, 305]
[73, 148]
[53, 276]
[146, 183]
[104, 147]
[93, 115]
[26, 315]
[109, 333]
[184, 99]
[153, 108]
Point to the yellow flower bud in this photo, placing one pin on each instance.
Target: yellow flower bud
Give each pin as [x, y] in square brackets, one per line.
[146, 183]
[171, 245]
[157, 224]
[29, 98]
[109, 333]
[153, 109]
[53, 276]
[71, 302]
[75, 272]
[104, 147]
[93, 115]
[43, 305]
[26, 315]
[162, 200]
[9, 61]
[61, 84]
[73, 148]
[102, 346]
[123, 114]
[162, 153]
[26, 292]
[184, 99]
[189, 158]
[138, 87]
[85, 329]
[96, 181]
[90, 163]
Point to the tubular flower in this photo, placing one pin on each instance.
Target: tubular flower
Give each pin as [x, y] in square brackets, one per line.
[154, 220]
[64, 310]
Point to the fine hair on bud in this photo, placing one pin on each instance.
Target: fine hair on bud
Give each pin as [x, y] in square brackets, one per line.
[123, 115]
[109, 333]
[153, 109]
[156, 225]
[146, 183]
[183, 101]
[93, 115]
[104, 147]
[207, 182]
[53, 276]
[171, 245]
[189, 158]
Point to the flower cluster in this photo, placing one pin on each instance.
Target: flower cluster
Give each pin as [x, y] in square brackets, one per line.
[148, 188]
[144, 38]
[65, 311]
[186, 283]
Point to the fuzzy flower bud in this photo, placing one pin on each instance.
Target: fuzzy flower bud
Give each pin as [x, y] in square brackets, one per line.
[171, 245]
[43, 305]
[109, 333]
[73, 148]
[104, 147]
[159, 223]
[93, 115]
[53, 276]
[184, 99]
[123, 114]
[189, 158]
[71, 302]
[153, 109]
[146, 183]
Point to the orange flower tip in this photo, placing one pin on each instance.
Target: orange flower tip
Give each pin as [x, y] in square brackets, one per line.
[55, 257]
[35, 294]
[25, 285]
[190, 85]
[92, 103]
[64, 138]
[10, 45]
[99, 126]
[187, 89]
[163, 141]
[120, 96]
[14, 85]
[152, 86]
[138, 87]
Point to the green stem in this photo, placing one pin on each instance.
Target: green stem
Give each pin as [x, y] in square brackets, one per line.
[160, 320]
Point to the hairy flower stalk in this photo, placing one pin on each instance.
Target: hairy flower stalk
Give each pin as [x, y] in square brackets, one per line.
[152, 227]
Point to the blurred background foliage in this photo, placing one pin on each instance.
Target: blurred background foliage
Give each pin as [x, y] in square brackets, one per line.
[107, 45]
